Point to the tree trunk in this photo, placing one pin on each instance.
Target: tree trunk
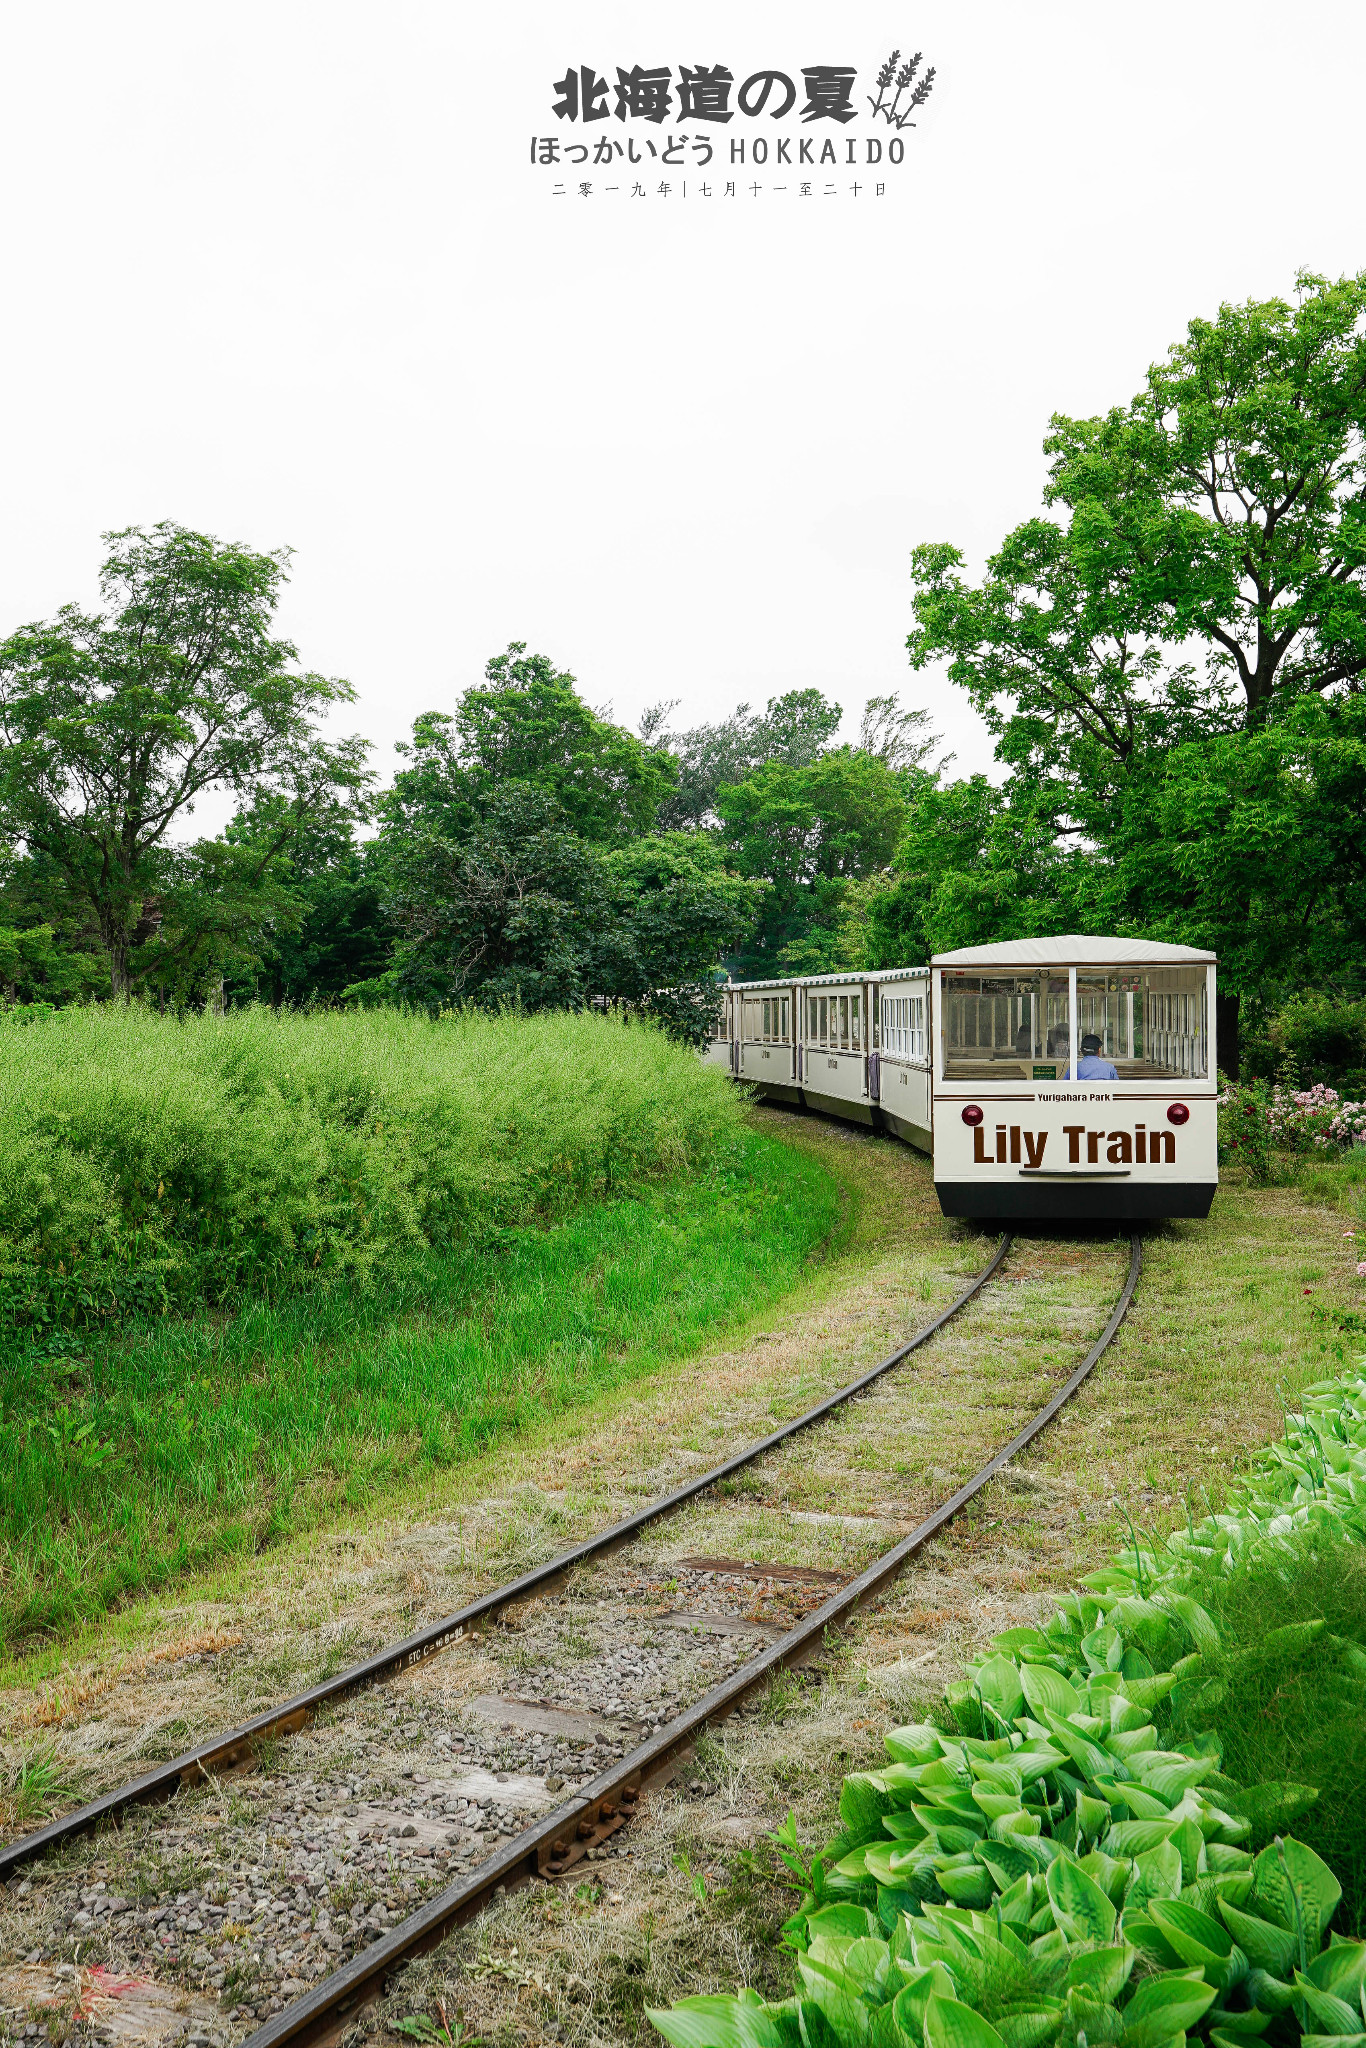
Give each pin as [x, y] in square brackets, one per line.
[120, 985]
[1226, 1006]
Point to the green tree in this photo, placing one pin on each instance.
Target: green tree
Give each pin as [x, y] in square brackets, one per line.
[113, 723]
[1206, 561]
[676, 911]
[972, 868]
[808, 832]
[1201, 581]
[527, 724]
[332, 932]
[522, 910]
[794, 730]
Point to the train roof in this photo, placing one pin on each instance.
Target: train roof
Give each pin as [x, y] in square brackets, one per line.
[1073, 949]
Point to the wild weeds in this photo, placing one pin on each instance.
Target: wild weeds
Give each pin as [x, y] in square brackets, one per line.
[147, 1162]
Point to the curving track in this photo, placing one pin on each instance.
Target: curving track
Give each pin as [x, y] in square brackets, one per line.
[603, 1805]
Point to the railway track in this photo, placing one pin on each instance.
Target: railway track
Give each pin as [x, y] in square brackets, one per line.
[588, 1824]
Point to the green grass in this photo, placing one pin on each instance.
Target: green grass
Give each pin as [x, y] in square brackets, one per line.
[140, 1455]
[147, 1162]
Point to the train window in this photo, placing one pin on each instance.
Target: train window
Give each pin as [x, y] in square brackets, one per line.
[1152, 1022]
[783, 1033]
[854, 1023]
[824, 1031]
[996, 1025]
[844, 1020]
[903, 1026]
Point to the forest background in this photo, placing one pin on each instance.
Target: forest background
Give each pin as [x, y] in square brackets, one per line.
[1169, 657]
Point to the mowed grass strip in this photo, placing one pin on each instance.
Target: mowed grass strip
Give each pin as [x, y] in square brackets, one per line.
[139, 1457]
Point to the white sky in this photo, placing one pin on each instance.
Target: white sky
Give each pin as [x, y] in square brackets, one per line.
[284, 273]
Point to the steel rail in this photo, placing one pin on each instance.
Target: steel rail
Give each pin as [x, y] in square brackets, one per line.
[596, 1811]
[221, 1752]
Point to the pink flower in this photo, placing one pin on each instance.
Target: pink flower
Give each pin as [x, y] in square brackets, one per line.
[1361, 1269]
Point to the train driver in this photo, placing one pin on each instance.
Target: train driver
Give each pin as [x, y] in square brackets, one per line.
[1091, 1067]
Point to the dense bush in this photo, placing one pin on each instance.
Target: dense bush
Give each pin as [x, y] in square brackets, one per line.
[144, 1161]
[1323, 1037]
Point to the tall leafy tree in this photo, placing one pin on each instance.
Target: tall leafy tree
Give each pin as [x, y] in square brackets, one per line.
[1200, 577]
[1206, 560]
[113, 723]
[808, 832]
[330, 931]
[523, 910]
[527, 724]
[794, 729]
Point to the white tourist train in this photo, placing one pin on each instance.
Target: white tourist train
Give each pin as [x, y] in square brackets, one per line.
[1069, 1077]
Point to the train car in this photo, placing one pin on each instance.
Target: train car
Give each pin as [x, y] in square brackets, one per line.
[1075, 1077]
[984, 1059]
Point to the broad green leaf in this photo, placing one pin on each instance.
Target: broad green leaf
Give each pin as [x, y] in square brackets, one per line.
[1173, 1775]
[1145, 1804]
[1125, 1717]
[1269, 1993]
[867, 1963]
[1081, 1908]
[1015, 1640]
[1103, 1972]
[718, 2021]
[877, 1861]
[1298, 1888]
[1241, 2026]
[949, 2024]
[1157, 1875]
[1028, 2027]
[1195, 1937]
[908, 2007]
[917, 1743]
[1189, 1844]
[1095, 2018]
[1266, 1946]
[1146, 1692]
[1152, 1945]
[998, 1682]
[1163, 2006]
[1093, 1817]
[1134, 1837]
[855, 1865]
[1109, 1872]
[1047, 1690]
[1006, 1863]
[1333, 2040]
[1341, 1968]
[972, 1887]
[902, 1827]
[863, 1801]
[853, 1922]
[1091, 1760]
[1036, 1759]
[995, 1805]
[1050, 1947]
[1332, 2015]
[1197, 1621]
[839, 2002]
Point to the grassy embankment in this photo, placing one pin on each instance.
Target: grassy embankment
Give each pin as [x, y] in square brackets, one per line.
[358, 1253]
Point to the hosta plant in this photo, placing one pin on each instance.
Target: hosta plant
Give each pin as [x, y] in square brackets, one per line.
[1061, 1870]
